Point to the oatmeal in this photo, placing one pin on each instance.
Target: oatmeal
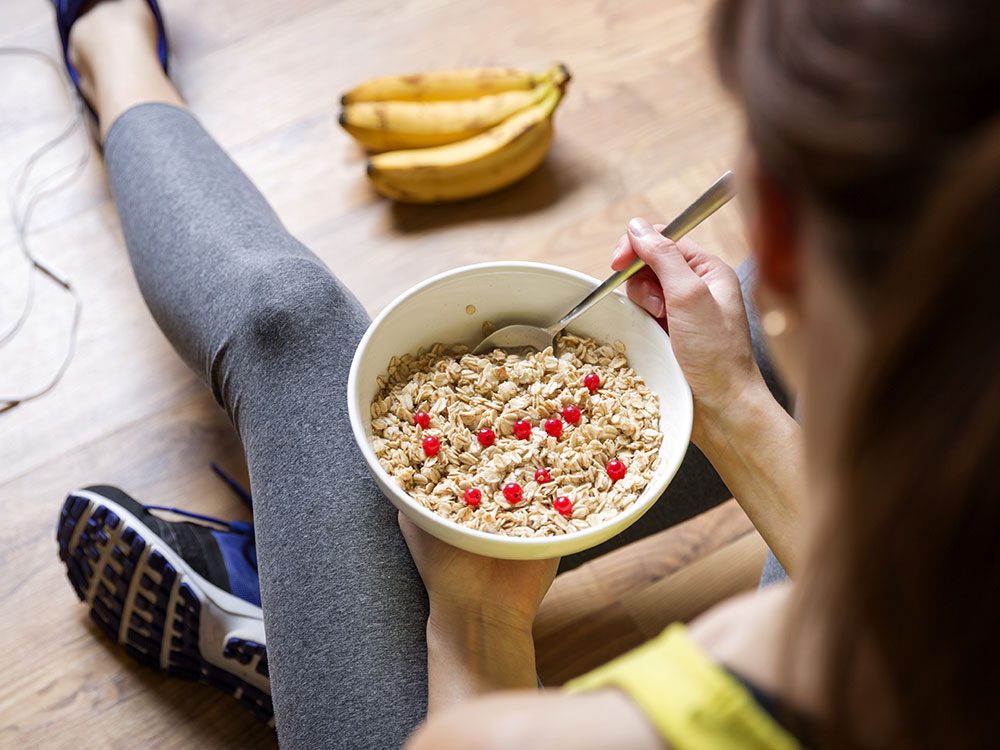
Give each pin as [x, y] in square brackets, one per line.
[534, 445]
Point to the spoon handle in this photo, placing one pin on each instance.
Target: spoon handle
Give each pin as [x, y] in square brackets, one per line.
[704, 206]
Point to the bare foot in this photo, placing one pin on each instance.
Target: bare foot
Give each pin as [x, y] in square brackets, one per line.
[110, 34]
[113, 47]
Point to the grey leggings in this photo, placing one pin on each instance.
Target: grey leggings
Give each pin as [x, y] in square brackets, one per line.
[271, 331]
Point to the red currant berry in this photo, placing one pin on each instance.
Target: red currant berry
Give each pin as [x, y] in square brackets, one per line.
[542, 476]
[563, 505]
[554, 427]
[513, 493]
[486, 437]
[422, 418]
[522, 429]
[431, 446]
[473, 496]
[592, 381]
[571, 414]
[616, 470]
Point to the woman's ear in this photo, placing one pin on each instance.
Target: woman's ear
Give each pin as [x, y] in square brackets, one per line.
[773, 228]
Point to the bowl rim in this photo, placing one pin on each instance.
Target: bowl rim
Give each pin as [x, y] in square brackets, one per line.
[637, 509]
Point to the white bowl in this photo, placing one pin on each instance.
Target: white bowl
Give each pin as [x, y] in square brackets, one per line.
[435, 311]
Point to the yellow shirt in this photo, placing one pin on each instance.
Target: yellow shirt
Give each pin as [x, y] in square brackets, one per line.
[692, 701]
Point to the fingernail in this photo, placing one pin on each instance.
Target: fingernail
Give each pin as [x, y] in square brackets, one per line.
[640, 227]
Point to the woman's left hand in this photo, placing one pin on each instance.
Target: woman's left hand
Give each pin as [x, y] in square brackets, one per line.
[465, 586]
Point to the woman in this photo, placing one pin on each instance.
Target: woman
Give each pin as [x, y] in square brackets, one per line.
[871, 183]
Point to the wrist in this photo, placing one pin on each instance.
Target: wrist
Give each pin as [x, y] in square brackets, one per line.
[471, 656]
[735, 423]
[462, 624]
[484, 613]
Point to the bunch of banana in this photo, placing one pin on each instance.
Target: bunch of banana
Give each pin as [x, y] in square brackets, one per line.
[454, 134]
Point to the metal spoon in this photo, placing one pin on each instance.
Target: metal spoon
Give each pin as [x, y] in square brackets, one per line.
[535, 337]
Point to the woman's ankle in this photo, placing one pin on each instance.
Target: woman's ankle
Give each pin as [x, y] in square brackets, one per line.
[114, 48]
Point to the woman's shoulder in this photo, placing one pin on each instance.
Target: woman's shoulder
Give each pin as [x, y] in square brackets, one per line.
[690, 684]
[755, 619]
[750, 636]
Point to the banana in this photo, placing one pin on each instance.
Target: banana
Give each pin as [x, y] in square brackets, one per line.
[389, 125]
[521, 162]
[475, 166]
[384, 126]
[446, 85]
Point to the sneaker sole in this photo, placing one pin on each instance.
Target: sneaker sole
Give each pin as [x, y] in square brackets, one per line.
[144, 597]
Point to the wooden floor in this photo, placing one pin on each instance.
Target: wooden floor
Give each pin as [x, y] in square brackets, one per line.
[643, 129]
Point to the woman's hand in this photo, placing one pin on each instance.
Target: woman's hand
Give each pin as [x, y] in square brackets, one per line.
[696, 297]
[471, 587]
[481, 612]
[750, 440]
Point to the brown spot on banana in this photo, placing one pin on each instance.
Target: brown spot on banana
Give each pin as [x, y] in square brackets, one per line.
[563, 76]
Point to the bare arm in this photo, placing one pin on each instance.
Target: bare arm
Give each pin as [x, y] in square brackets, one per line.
[753, 444]
[552, 720]
[467, 656]
[757, 449]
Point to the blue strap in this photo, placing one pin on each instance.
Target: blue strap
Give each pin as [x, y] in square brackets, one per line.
[235, 486]
[238, 527]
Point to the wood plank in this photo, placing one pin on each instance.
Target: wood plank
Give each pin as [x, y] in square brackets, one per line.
[727, 571]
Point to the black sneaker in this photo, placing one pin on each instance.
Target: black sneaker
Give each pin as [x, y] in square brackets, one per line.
[178, 596]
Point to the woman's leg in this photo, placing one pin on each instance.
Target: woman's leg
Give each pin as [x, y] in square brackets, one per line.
[265, 324]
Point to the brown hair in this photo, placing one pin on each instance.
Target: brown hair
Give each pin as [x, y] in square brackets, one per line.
[885, 116]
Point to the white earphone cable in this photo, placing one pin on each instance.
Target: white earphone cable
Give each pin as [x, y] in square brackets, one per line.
[23, 198]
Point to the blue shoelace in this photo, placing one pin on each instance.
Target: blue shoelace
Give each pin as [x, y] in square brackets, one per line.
[235, 486]
[238, 527]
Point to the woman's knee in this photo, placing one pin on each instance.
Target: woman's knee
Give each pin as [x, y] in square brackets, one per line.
[297, 304]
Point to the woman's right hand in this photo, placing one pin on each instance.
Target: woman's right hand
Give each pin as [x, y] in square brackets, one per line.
[696, 297]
